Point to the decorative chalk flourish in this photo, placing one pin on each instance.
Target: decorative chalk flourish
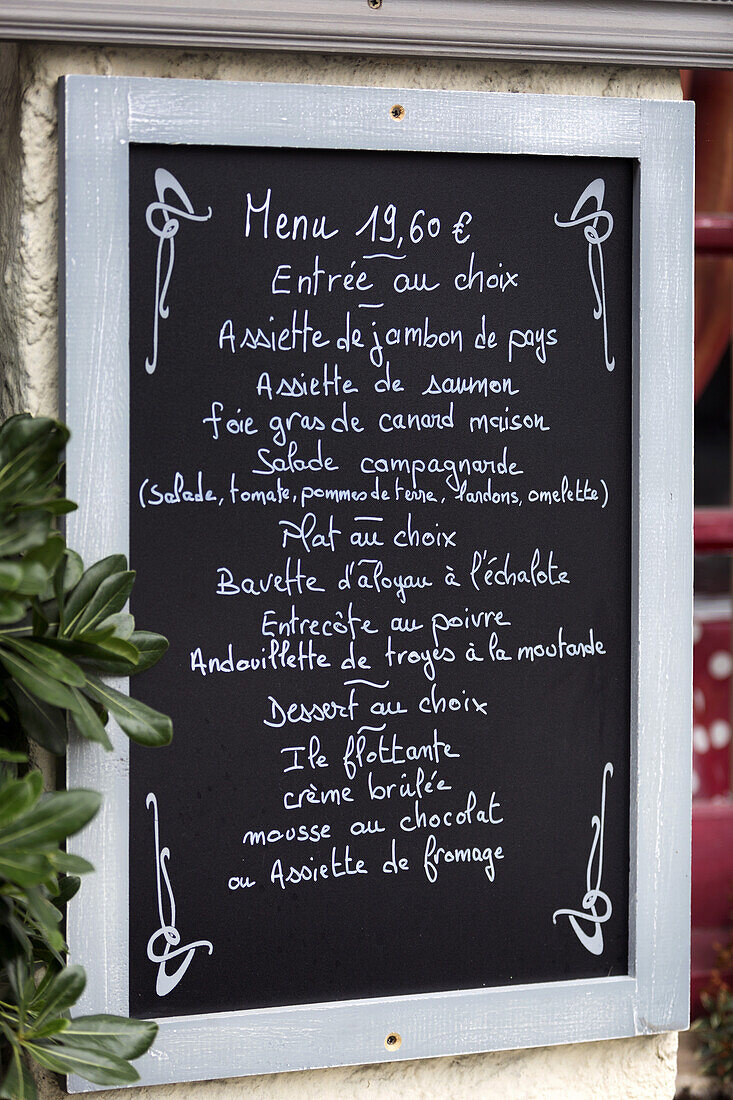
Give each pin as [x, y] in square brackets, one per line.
[592, 941]
[595, 191]
[166, 181]
[166, 982]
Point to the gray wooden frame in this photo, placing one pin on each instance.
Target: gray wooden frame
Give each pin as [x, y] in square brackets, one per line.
[99, 117]
[690, 33]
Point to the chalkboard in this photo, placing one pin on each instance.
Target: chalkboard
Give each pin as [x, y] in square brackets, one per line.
[380, 497]
[393, 427]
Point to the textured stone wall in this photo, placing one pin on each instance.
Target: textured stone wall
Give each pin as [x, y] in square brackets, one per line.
[11, 373]
[629, 1069]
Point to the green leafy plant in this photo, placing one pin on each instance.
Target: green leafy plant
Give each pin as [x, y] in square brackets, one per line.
[62, 628]
[715, 1033]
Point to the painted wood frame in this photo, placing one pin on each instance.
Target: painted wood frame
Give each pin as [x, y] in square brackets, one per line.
[99, 118]
[688, 33]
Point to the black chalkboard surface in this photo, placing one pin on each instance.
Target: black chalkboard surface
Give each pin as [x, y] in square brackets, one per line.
[380, 502]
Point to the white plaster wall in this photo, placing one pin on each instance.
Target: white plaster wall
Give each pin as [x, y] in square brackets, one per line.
[629, 1069]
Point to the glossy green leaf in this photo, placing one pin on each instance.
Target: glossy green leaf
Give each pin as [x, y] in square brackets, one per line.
[11, 574]
[18, 795]
[29, 452]
[22, 432]
[12, 609]
[90, 581]
[111, 596]
[23, 475]
[47, 918]
[37, 682]
[47, 660]
[53, 1027]
[85, 721]
[33, 579]
[139, 721]
[44, 724]
[49, 555]
[35, 489]
[55, 506]
[41, 909]
[18, 1083]
[151, 648]
[68, 886]
[19, 976]
[61, 814]
[74, 569]
[120, 625]
[63, 991]
[48, 977]
[25, 868]
[123, 1037]
[95, 657]
[118, 647]
[68, 573]
[22, 533]
[70, 864]
[103, 1069]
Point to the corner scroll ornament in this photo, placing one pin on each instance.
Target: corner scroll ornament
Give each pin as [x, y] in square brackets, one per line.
[165, 231]
[592, 941]
[165, 983]
[595, 191]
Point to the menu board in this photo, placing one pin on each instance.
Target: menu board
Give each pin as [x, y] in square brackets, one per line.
[380, 504]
